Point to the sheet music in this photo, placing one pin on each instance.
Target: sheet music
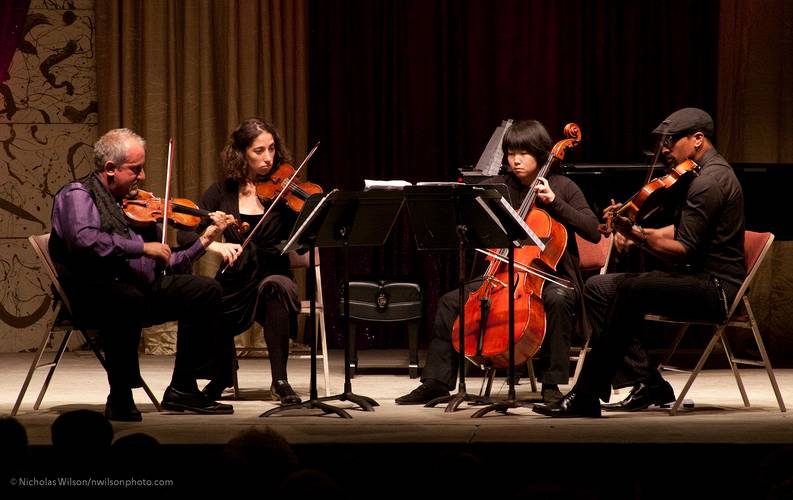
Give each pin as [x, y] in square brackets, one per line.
[369, 184]
[441, 183]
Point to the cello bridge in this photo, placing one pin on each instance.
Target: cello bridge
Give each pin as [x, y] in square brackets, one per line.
[493, 279]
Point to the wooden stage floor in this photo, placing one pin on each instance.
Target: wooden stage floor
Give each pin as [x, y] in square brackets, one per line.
[718, 429]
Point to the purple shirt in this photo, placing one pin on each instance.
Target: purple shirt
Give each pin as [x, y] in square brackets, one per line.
[75, 219]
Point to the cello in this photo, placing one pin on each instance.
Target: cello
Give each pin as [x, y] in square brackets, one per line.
[486, 310]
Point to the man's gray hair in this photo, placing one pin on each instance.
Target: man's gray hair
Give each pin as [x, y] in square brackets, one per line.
[113, 146]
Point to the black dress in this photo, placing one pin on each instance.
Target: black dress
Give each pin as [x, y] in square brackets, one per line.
[260, 286]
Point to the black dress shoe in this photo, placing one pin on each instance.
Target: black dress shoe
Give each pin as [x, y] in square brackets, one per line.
[551, 395]
[423, 394]
[281, 391]
[214, 391]
[197, 402]
[571, 405]
[122, 410]
[642, 396]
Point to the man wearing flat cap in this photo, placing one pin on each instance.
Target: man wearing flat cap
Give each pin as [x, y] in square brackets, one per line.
[705, 249]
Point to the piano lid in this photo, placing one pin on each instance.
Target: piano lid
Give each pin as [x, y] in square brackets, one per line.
[489, 163]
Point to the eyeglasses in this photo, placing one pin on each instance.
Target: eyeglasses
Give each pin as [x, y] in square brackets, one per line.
[669, 140]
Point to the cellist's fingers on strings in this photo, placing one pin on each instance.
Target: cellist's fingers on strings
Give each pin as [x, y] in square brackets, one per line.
[609, 210]
[544, 191]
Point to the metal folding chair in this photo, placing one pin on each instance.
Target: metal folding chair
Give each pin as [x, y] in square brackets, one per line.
[62, 322]
[740, 315]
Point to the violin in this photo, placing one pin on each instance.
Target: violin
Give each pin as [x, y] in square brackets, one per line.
[486, 310]
[296, 194]
[145, 209]
[281, 186]
[649, 198]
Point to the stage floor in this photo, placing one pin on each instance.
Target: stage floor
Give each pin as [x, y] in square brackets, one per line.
[718, 415]
[718, 448]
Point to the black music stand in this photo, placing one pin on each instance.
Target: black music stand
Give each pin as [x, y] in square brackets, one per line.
[304, 235]
[353, 219]
[459, 216]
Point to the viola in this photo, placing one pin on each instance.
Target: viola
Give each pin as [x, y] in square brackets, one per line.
[145, 209]
[650, 196]
[486, 310]
[296, 193]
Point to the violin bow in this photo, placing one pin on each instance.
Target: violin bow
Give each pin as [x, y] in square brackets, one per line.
[607, 226]
[655, 160]
[275, 201]
[165, 210]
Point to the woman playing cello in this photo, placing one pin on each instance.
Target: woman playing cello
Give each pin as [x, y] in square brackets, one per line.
[526, 146]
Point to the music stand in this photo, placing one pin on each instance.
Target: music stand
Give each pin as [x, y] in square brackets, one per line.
[459, 216]
[353, 219]
[304, 236]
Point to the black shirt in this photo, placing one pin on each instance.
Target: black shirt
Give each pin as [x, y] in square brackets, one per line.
[710, 224]
[569, 208]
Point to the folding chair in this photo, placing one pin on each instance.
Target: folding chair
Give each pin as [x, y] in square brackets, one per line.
[593, 258]
[298, 261]
[756, 246]
[62, 322]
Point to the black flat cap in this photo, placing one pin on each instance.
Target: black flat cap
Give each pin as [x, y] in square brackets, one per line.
[686, 119]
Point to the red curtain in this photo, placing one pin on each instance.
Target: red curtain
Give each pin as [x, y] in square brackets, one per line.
[412, 89]
[417, 87]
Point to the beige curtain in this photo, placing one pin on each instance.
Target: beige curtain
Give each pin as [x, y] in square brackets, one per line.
[755, 93]
[192, 70]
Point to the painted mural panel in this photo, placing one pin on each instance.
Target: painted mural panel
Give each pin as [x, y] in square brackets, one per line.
[47, 128]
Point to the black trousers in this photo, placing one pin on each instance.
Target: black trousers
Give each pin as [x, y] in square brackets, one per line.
[119, 310]
[617, 304]
[554, 365]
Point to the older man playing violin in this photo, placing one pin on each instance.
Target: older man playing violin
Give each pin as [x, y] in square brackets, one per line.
[111, 272]
[704, 247]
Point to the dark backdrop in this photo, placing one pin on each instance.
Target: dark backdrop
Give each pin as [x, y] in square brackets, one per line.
[413, 89]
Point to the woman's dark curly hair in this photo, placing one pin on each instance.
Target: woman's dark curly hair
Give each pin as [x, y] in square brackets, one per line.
[233, 155]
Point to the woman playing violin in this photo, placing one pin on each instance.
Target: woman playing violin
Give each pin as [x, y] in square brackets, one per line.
[526, 146]
[705, 246]
[259, 286]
